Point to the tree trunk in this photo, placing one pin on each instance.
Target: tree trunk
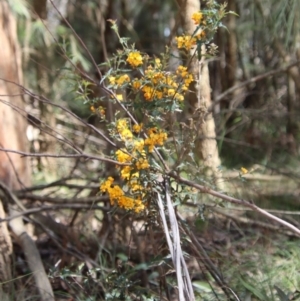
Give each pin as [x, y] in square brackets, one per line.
[14, 170]
[48, 10]
[200, 100]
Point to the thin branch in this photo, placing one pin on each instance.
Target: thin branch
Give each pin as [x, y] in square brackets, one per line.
[250, 222]
[212, 207]
[44, 155]
[57, 200]
[236, 201]
[79, 39]
[61, 183]
[57, 136]
[250, 81]
[48, 101]
[54, 208]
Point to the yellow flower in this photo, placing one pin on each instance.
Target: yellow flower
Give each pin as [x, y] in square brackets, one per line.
[115, 193]
[119, 81]
[182, 71]
[142, 164]
[186, 42]
[123, 157]
[171, 92]
[157, 63]
[148, 93]
[117, 196]
[159, 95]
[244, 170]
[119, 97]
[121, 124]
[123, 129]
[155, 138]
[126, 134]
[123, 79]
[112, 80]
[107, 184]
[137, 128]
[188, 79]
[179, 97]
[197, 17]
[134, 59]
[157, 77]
[136, 84]
[134, 186]
[126, 202]
[139, 206]
[139, 145]
[125, 172]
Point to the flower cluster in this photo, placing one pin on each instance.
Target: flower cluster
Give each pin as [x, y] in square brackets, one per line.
[161, 84]
[244, 170]
[120, 80]
[134, 59]
[155, 83]
[118, 197]
[187, 42]
[156, 137]
[197, 17]
[136, 156]
[139, 147]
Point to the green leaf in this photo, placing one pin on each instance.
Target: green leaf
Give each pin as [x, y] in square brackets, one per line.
[254, 290]
[282, 296]
[202, 286]
[122, 256]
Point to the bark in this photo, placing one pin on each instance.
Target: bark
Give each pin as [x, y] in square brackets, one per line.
[231, 47]
[200, 100]
[14, 170]
[50, 11]
[5, 252]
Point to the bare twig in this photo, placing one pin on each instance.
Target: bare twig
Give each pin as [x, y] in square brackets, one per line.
[57, 200]
[44, 99]
[44, 155]
[79, 39]
[250, 81]
[54, 208]
[48, 132]
[61, 183]
[235, 201]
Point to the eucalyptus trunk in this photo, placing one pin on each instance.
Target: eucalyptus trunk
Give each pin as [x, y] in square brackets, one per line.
[14, 170]
[200, 100]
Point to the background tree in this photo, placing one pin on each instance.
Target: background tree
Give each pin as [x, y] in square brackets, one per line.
[14, 171]
[200, 99]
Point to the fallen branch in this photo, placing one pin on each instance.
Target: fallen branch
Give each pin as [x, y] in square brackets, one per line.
[236, 201]
[30, 250]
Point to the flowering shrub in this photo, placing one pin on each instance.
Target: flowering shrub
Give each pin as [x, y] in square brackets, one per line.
[151, 93]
